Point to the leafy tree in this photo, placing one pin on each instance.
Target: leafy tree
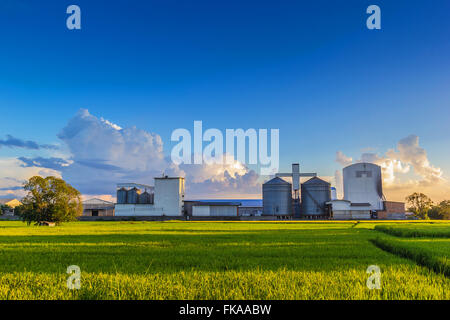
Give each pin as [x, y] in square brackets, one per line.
[441, 211]
[51, 200]
[420, 204]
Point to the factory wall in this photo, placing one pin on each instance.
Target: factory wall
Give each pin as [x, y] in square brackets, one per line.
[169, 195]
[214, 211]
[98, 207]
[343, 210]
[392, 210]
[362, 184]
[128, 210]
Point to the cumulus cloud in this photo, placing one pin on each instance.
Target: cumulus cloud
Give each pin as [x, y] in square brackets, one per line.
[412, 154]
[103, 153]
[13, 142]
[12, 179]
[342, 159]
[220, 180]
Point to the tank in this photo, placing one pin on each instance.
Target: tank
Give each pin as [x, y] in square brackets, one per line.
[333, 193]
[277, 197]
[315, 193]
[133, 195]
[146, 198]
[362, 184]
[122, 195]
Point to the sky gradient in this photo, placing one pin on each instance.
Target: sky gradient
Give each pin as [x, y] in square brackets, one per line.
[311, 69]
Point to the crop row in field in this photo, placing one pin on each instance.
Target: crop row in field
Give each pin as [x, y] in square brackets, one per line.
[416, 231]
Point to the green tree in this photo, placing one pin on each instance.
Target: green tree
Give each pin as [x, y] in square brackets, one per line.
[420, 204]
[441, 211]
[51, 200]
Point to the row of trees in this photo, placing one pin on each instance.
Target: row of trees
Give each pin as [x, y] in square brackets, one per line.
[424, 208]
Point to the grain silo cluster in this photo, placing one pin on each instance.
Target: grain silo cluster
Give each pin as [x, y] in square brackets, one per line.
[132, 193]
[316, 199]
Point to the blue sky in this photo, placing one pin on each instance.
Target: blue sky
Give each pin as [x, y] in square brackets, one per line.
[310, 68]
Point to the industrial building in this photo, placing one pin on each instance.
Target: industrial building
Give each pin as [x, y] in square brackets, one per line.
[312, 199]
[363, 196]
[164, 199]
[199, 208]
[363, 192]
[251, 208]
[98, 208]
[7, 206]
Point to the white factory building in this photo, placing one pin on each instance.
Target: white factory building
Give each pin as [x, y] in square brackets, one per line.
[363, 192]
[165, 198]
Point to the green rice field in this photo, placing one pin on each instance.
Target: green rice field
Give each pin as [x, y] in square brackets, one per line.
[225, 260]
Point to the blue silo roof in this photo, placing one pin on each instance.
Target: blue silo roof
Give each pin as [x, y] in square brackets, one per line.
[277, 180]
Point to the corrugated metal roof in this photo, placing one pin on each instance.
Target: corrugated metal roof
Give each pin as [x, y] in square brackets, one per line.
[316, 180]
[277, 180]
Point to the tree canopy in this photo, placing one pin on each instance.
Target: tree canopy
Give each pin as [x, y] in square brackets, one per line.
[51, 200]
[441, 211]
[420, 204]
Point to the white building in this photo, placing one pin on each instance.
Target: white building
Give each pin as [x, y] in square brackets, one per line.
[345, 210]
[363, 184]
[363, 192]
[168, 199]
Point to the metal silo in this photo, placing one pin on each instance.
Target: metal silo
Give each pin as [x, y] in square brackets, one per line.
[315, 193]
[145, 198]
[363, 184]
[133, 195]
[277, 197]
[122, 196]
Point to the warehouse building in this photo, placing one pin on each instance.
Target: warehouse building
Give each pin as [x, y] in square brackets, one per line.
[251, 208]
[98, 208]
[164, 199]
[7, 206]
[205, 208]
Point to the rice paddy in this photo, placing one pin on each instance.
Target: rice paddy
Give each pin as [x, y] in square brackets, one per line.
[225, 260]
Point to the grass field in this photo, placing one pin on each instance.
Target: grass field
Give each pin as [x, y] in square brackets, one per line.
[225, 260]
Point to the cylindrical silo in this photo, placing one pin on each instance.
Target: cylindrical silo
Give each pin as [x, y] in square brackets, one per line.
[133, 195]
[145, 198]
[277, 197]
[363, 184]
[122, 196]
[315, 193]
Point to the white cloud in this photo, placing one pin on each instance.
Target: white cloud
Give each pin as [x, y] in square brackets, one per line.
[103, 153]
[15, 173]
[342, 159]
